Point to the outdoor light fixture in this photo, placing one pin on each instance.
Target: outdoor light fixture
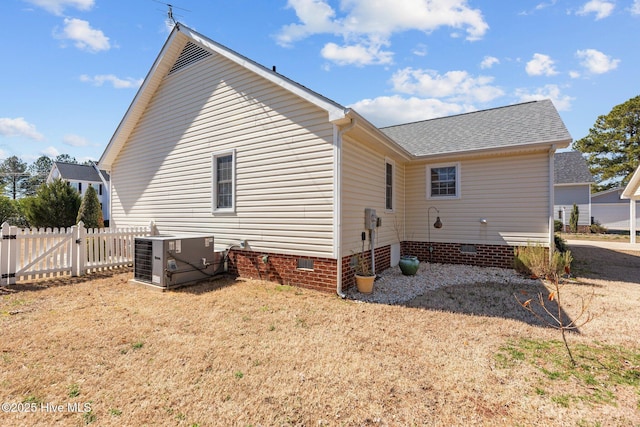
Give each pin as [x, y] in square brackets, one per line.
[437, 224]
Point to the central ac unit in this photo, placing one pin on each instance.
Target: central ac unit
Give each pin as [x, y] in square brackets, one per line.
[171, 261]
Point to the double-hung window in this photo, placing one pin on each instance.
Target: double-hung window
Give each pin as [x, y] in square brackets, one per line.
[224, 173]
[443, 181]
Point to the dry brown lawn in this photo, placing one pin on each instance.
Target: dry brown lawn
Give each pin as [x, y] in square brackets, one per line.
[236, 352]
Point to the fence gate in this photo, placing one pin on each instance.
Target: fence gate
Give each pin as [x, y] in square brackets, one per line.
[28, 254]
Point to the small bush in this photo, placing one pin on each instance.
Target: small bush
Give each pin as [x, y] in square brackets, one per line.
[557, 226]
[530, 259]
[561, 244]
[534, 260]
[597, 228]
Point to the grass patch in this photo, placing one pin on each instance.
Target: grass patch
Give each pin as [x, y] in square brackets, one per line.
[601, 369]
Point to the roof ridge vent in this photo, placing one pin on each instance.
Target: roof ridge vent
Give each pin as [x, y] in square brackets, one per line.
[189, 55]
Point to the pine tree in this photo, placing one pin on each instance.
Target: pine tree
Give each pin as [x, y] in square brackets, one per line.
[573, 219]
[90, 212]
[613, 145]
[55, 205]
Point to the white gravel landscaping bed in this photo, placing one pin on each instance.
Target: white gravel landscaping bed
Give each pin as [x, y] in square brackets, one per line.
[392, 287]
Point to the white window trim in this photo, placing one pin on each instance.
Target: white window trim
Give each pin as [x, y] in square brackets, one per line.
[214, 182]
[458, 180]
[393, 184]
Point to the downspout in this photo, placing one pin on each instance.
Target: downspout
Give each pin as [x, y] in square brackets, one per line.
[337, 201]
[552, 245]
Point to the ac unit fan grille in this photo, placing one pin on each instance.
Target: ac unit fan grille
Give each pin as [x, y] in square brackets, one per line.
[143, 260]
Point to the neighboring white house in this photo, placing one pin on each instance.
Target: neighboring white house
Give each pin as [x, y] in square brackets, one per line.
[82, 177]
[572, 185]
[632, 193]
[611, 211]
[215, 143]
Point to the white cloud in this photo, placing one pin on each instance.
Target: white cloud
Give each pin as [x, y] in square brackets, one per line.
[540, 65]
[489, 61]
[115, 81]
[50, 152]
[316, 17]
[601, 8]
[85, 37]
[597, 62]
[356, 54]
[456, 85]
[372, 23]
[57, 6]
[19, 127]
[421, 49]
[635, 7]
[75, 140]
[561, 102]
[392, 110]
[574, 74]
[3, 154]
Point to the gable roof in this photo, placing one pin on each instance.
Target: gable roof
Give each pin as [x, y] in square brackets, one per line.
[76, 172]
[526, 124]
[571, 168]
[166, 61]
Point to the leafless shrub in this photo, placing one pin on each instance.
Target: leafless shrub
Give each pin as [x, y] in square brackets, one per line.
[555, 317]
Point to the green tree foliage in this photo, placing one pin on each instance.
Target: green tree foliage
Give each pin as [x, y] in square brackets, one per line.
[39, 170]
[65, 158]
[13, 176]
[574, 218]
[55, 205]
[90, 212]
[7, 210]
[613, 145]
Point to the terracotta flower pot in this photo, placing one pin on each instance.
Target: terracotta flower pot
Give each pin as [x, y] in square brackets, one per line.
[365, 284]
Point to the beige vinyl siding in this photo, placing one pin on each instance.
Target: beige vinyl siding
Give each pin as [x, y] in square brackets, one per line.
[284, 162]
[511, 192]
[363, 186]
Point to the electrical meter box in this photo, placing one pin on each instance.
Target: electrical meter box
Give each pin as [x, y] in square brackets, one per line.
[171, 261]
[370, 219]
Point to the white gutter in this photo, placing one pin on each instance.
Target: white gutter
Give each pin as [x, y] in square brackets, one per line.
[552, 245]
[337, 202]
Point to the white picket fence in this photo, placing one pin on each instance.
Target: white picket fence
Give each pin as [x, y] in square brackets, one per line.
[28, 254]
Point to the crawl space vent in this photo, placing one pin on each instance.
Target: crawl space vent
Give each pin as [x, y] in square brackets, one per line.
[190, 55]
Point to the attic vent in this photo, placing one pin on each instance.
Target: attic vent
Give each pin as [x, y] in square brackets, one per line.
[190, 54]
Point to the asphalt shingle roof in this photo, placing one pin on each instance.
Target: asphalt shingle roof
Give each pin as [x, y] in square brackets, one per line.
[80, 172]
[571, 168]
[514, 125]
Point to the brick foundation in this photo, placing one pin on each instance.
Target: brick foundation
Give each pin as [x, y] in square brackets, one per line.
[457, 253]
[283, 269]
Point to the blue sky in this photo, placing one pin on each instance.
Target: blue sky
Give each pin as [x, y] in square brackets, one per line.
[70, 68]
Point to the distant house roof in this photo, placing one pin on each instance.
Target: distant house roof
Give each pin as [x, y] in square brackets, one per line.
[76, 172]
[571, 168]
[511, 126]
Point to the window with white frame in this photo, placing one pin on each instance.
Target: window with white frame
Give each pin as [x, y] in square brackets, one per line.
[443, 181]
[389, 172]
[224, 181]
